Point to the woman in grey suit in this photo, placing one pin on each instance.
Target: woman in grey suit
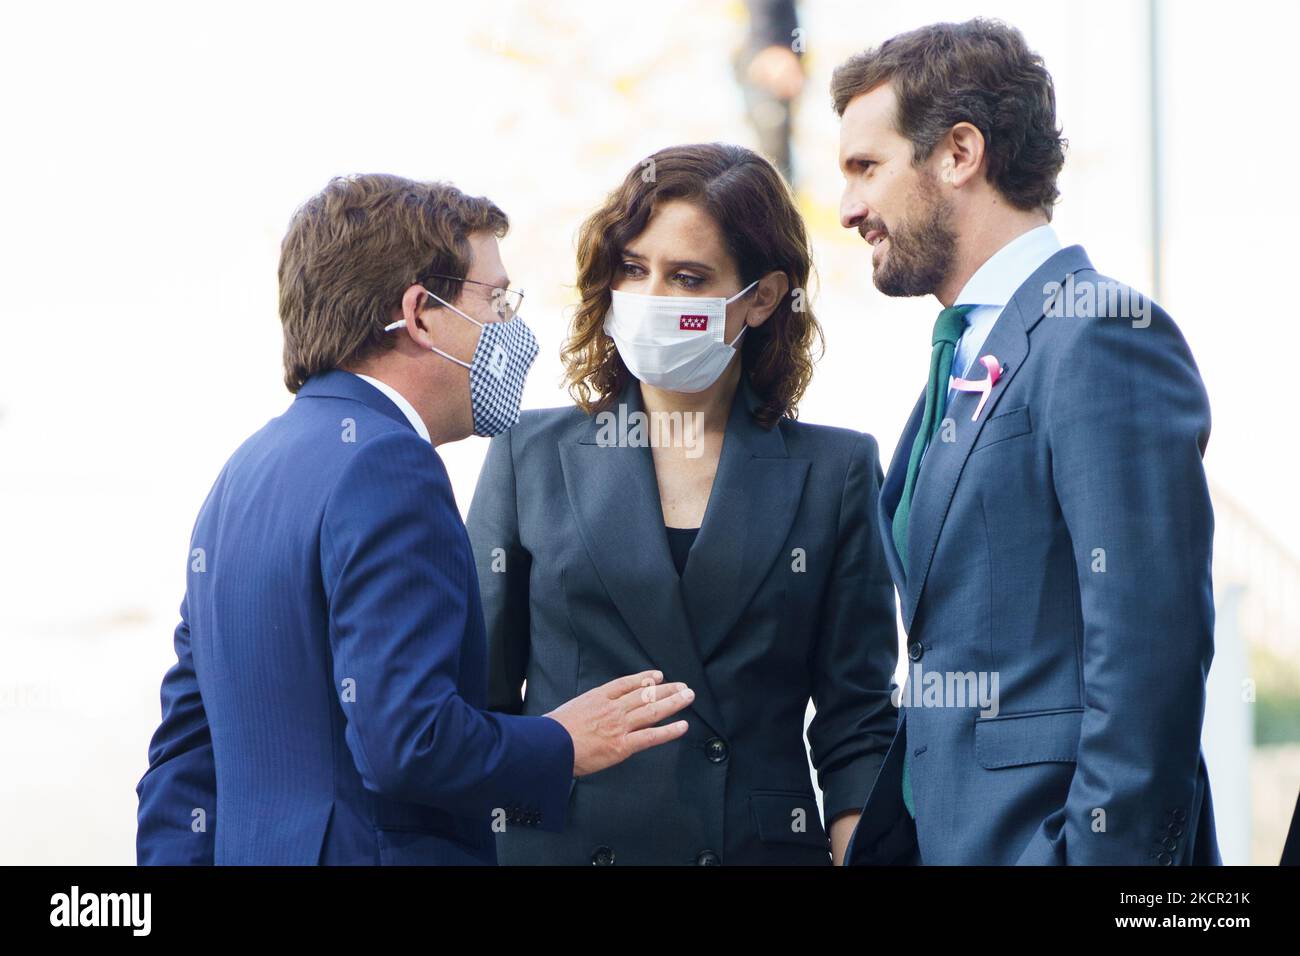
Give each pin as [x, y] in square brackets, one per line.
[680, 518]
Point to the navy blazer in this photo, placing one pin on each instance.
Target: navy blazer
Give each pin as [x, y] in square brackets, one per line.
[327, 700]
[1061, 541]
[785, 597]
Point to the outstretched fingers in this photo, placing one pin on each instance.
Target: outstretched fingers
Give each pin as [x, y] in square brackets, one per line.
[649, 705]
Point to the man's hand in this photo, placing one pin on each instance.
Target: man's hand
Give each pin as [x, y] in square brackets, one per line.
[612, 722]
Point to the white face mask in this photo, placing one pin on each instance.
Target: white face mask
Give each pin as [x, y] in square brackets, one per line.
[673, 342]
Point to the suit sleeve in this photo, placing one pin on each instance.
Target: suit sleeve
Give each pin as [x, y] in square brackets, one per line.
[1128, 420]
[503, 572]
[177, 815]
[398, 571]
[857, 648]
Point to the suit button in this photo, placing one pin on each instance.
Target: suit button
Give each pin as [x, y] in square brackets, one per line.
[603, 856]
[1164, 859]
[915, 651]
[708, 858]
[1169, 843]
[1174, 830]
[1180, 816]
[715, 748]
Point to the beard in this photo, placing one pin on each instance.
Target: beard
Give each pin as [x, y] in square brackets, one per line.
[922, 249]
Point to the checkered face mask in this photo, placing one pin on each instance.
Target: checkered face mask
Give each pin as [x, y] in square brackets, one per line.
[497, 371]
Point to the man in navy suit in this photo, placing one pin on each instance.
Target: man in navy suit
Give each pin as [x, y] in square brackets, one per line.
[327, 702]
[1046, 516]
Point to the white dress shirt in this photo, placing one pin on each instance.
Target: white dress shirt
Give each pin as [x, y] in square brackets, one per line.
[991, 288]
[406, 407]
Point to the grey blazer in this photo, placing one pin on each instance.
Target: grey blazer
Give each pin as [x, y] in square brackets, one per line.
[1061, 541]
[786, 597]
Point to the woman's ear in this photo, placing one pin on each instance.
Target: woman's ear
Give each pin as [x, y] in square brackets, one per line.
[769, 292]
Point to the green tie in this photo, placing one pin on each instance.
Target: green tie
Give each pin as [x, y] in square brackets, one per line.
[947, 330]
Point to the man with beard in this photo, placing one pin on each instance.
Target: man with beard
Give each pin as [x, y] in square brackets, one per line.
[1046, 516]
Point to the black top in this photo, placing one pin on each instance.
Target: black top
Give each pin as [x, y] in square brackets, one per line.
[679, 543]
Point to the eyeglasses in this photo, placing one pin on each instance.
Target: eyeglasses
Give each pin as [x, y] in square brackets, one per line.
[505, 302]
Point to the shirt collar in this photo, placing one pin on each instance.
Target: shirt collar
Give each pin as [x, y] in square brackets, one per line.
[403, 405]
[995, 282]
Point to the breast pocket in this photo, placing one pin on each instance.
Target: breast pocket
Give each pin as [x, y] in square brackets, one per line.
[1004, 426]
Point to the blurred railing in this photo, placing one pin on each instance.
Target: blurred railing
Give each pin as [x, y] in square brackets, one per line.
[1257, 620]
[1248, 555]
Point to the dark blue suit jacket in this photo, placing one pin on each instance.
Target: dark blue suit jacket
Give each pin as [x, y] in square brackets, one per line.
[327, 700]
[1061, 541]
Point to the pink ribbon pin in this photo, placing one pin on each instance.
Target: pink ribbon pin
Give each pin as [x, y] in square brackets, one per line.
[984, 386]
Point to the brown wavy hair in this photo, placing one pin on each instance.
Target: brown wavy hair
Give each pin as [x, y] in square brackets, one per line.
[979, 72]
[353, 249]
[764, 232]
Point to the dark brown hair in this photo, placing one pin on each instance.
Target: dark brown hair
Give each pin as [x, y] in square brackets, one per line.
[354, 248]
[979, 72]
[763, 231]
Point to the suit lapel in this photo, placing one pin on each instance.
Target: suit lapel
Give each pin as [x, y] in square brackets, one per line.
[942, 466]
[615, 498]
[752, 506]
